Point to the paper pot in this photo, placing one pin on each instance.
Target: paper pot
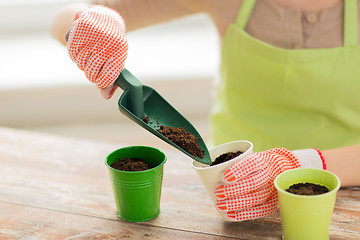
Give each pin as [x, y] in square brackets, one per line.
[211, 175]
[303, 216]
[137, 194]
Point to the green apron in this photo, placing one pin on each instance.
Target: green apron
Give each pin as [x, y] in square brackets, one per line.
[295, 99]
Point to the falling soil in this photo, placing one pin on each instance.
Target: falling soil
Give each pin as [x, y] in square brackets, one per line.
[307, 189]
[183, 139]
[130, 164]
[225, 157]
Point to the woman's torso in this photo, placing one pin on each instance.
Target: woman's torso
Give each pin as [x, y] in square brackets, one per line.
[295, 98]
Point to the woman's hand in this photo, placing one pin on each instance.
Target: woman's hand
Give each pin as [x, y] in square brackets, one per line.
[98, 45]
[248, 189]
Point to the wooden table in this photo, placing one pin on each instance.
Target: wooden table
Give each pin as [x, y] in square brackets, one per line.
[58, 188]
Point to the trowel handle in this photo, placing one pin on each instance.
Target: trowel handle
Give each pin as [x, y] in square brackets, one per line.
[128, 82]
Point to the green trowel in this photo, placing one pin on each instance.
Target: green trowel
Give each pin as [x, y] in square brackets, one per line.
[139, 102]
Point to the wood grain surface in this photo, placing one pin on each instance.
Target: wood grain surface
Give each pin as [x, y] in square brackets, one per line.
[55, 187]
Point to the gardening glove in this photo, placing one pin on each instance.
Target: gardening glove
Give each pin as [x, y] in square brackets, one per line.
[97, 44]
[247, 190]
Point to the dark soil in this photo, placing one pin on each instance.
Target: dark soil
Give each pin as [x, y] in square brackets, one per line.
[183, 139]
[307, 189]
[130, 164]
[146, 120]
[225, 157]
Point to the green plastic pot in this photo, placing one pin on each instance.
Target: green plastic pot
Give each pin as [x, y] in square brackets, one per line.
[137, 194]
[303, 216]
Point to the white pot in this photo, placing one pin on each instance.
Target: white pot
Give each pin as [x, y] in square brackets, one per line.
[211, 175]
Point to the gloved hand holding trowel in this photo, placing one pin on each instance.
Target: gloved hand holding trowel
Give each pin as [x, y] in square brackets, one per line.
[97, 44]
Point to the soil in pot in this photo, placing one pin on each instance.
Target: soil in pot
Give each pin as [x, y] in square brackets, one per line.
[225, 157]
[130, 164]
[307, 189]
[183, 139]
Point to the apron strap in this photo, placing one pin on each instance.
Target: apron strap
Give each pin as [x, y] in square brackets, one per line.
[351, 28]
[244, 13]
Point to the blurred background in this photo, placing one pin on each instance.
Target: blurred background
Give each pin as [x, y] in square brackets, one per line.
[41, 89]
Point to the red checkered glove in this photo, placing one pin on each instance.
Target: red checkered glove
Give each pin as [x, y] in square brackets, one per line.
[248, 189]
[97, 44]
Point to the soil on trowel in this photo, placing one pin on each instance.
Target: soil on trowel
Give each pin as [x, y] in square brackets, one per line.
[130, 164]
[146, 120]
[225, 157]
[183, 139]
[307, 189]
